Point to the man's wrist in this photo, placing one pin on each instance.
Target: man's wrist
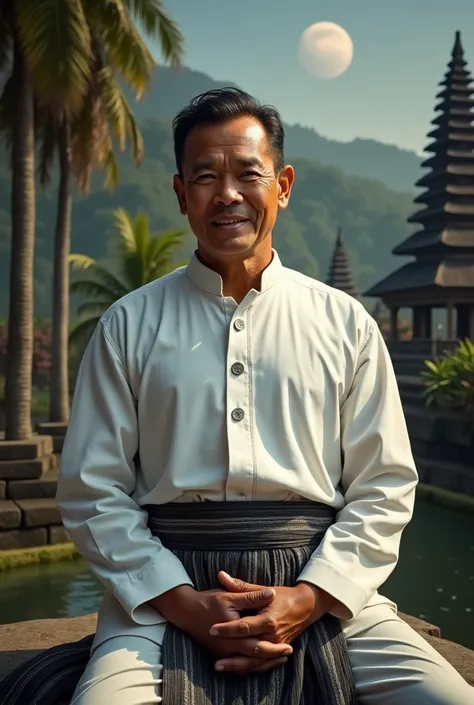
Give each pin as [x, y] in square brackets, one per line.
[322, 601]
[173, 603]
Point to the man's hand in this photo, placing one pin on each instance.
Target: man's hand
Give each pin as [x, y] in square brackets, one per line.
[282, 620]
[195, 612]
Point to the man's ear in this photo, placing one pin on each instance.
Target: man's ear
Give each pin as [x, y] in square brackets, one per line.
[286, 179]
[178, 187]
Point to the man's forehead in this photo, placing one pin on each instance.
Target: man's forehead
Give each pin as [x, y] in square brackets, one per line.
[244, 136]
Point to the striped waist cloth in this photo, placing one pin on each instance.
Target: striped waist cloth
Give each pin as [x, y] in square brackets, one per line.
[235, 526]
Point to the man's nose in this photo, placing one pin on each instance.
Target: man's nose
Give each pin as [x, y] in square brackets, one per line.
[227, 193]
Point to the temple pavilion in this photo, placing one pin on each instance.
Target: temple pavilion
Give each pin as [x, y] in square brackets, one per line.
[442, 272]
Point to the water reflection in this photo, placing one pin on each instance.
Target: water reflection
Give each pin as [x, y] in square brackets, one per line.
[434, 579]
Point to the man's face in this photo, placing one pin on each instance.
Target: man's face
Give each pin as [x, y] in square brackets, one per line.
[229, 189]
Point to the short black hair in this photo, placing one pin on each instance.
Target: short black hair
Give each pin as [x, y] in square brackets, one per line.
[221, 105]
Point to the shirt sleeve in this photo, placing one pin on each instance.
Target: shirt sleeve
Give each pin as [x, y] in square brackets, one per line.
[97, 480]
[360, 550]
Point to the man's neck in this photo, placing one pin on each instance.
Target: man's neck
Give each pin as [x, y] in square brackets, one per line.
[239, 276]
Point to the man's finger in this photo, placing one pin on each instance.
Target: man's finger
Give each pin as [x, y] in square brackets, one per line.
[263, 623]
[235, 585]
[252, 600]
[245, 664]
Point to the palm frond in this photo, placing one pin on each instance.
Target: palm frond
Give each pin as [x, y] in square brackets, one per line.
[119, 114]
[6, 34]
[94, 308]
[125, 228]
[83, 330]
[110, 166]
[122, 47]
[82, 261]
[56, 42]
[96, 274]
[158, 24]
[94, 289]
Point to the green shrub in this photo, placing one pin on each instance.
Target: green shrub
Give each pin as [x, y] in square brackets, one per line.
[449, 381]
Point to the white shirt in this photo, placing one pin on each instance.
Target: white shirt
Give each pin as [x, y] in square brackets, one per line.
[291, 394]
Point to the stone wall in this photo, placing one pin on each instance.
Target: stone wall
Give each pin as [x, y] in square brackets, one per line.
[28, 479]
[443, 446]
[442, 442]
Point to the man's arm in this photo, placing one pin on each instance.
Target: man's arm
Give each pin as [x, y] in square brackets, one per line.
[359, 552]
[97, 478]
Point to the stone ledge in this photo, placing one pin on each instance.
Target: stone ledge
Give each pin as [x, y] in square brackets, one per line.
[19, 539]
[43, 487]
[27, 469]
[10, 514]
[35, 447]
[24, 640]
[39, 512]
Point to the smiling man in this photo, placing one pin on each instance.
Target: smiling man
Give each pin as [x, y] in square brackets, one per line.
[237, 469]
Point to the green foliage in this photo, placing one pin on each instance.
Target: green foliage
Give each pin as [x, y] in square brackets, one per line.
[139, 257]
[449, 381]
[372, 217]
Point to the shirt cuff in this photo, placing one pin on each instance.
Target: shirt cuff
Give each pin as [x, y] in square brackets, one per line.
[157, 577]
[351, 598]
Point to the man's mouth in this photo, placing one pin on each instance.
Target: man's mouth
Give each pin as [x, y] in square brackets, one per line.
[229, 222]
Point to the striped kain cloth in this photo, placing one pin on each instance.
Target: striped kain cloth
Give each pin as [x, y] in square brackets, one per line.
[267, 543]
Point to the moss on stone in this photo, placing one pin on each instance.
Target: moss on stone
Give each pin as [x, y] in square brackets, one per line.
[43, 554]
[446, 498]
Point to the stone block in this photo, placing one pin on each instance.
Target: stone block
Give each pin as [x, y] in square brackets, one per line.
[58, 534]
[10, 515]
[51, 428]
[39, 512]
[45, 486]
[34, 447]
[27, 469]
[23, 538]
[3, 489]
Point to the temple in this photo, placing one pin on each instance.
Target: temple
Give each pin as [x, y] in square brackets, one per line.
[442, 273]
[340, 272]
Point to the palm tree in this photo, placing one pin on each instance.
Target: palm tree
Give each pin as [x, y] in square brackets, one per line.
[75, 51]
[20, 320]
[140, 257]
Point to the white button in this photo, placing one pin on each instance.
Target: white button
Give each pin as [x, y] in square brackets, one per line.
[239, 324]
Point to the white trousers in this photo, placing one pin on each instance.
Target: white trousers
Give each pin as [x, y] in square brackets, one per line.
[392, 665]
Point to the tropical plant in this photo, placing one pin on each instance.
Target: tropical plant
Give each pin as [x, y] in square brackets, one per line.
[139, 257]
[75, 51]
[449, 381]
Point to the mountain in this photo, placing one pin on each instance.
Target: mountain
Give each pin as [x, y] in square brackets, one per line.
[372, 217]
[397, 168]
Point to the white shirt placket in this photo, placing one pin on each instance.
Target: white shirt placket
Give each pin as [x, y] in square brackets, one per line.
[240, 410]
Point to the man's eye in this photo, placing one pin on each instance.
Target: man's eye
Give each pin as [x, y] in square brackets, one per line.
[205, 177]
[252, 174]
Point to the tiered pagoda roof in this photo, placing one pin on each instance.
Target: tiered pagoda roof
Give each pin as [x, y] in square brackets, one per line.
[444, 244]
[340, 272]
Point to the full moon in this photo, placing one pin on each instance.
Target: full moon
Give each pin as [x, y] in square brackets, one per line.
[325, 50]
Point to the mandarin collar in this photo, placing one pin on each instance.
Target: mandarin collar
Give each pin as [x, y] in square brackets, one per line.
[211, 282]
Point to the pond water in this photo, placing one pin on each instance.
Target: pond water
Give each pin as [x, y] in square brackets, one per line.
[434, 579]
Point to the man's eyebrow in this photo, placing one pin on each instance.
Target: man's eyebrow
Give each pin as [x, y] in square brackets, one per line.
[201, 165]
[206, 164]
[250, 162]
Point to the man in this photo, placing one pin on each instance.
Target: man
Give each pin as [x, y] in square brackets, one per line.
[234, 383]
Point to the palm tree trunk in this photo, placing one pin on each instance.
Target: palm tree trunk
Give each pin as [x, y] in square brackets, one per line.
[20, 319]
[59, 397]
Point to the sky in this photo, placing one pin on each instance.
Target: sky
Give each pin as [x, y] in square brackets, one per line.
[401, 49]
